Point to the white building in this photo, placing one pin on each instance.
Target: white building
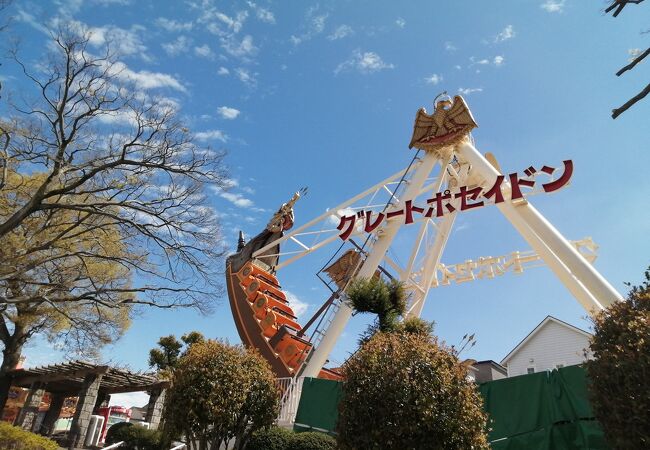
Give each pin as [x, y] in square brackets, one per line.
[551, 345]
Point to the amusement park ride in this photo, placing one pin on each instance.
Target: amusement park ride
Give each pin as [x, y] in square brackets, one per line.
[367, 225]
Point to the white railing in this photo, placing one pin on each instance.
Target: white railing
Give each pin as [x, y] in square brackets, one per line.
[290, 389]
[112, 446]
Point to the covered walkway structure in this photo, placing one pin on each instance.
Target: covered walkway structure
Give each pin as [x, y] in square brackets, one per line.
[93, 384]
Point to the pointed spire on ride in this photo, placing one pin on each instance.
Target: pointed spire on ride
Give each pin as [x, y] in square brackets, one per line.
[241, 242]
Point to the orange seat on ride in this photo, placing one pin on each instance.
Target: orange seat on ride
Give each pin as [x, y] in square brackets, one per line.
[271, 302]
[260, 307]
[250, 270]
[292, 350]
[257, 284]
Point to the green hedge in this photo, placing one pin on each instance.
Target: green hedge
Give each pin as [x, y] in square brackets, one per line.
[273, 438]
[276, 438]
[14, 438]
[134, 436]
[312, 440]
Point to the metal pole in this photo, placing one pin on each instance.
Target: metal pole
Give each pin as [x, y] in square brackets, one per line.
[524, 213]
[443, 231]
[375, 256]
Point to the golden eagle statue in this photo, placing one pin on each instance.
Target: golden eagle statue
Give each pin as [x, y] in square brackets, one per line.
[450, 122]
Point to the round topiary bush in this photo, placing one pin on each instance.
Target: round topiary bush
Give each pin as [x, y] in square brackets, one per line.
[134, 436]
[311, 440]
[406, 391]
[118, 432]
[272, 438]
[220, 392]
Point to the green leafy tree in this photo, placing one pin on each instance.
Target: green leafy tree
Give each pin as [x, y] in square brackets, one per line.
[407, 391]
[165, 357]
[220, 392]
[388, 301]
[620, 369]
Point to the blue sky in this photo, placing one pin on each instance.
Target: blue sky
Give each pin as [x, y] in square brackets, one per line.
[324, 95]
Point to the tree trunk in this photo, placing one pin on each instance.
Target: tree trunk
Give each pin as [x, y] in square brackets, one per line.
[10, 359]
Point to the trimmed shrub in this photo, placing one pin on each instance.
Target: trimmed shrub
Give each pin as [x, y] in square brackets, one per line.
[407, 391]
[14, 438]
[273, 438]
[220, 392]
[311, 440]
[118, 432]
[134, 436]
[277, 438]
[619, 371]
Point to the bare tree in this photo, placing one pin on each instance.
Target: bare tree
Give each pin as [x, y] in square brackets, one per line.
[617, 7]
[102, 204]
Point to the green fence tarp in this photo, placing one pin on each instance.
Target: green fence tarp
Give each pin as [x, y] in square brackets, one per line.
[546, 410]
[540, 411]
[318, 407]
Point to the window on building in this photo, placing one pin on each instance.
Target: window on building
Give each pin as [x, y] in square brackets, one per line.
[559, 366]
[530, 370]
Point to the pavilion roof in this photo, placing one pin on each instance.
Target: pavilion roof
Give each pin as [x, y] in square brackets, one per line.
[68, 377]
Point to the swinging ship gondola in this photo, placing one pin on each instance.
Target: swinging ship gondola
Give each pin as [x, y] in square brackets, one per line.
[262, 314]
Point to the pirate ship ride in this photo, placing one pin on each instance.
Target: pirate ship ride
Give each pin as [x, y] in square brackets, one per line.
[262, 313]
[266, 321]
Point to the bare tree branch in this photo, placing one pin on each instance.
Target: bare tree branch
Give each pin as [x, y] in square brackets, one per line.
[103, 203]
[619, 5]
[618, 111]
[634, 62]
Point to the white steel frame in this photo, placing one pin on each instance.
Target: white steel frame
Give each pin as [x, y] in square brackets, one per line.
[461, 165]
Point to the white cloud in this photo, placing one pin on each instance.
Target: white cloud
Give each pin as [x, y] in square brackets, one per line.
[246, 77]
[299, 307]
[204, 51]
[234, 23]
[130, 399]
[124, 42]
[173, 25]
[450, 47]
[112, 2]
[315, 25]
[341, 32]
[366, 62]
[223, 71]
[24, 16]
[433, 79]
[146, 80]
[634, 53]
[262, 14]
[457, 67]
[241, 49]
[180, 45]
[237, 199]
[228, 113]
[211, 135]
[467, 91]
[553, 6]
[498, 60]
[334, 219]
[400, 22]
[475, 61]
[507, 33]
[230, 183]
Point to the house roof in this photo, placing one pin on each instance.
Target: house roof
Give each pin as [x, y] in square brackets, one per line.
[489, 362]
[530, 335]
